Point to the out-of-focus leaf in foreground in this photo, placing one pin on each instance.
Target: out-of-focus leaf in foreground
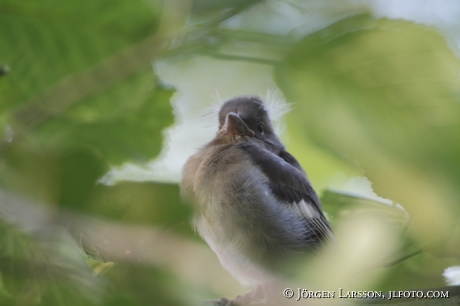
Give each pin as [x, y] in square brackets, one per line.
[138, 203]
[385, 95]
[42, 266]
[209, 5]
[339, 205]
[78, 94]
[42, 258]
[80, 77]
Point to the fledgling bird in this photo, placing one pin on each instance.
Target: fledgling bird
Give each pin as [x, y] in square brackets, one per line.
[256, 207]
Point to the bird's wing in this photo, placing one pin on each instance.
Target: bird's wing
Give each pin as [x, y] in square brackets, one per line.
[286, 178]
[291, 186]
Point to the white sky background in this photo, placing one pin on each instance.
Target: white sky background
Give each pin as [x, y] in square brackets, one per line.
[197, 95]
[196, 103]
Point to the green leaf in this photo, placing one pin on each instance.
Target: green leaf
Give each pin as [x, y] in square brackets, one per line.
[80, 77]
[80, 95]
[45, 268]
[146, 203]
[123, 124]
[47, 40]
[339, 205]
[141, 203]
[384, 94]
[157, 285]
[206, 6]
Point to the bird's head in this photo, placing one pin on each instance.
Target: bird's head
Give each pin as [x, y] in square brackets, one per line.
[246, 118]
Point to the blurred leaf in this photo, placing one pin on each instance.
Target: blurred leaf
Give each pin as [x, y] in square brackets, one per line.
[120, 129]
[79, 95]
[201, 6]
[45, 268]
[81, 78]
[151, 260]
[384, 94]
[106, 236]
[156, 285]
[415, 273]
[99, 104]
[67, 178]
[138, 203]
[44, 41]
[77, 186]
[142, 203]
[339, 204]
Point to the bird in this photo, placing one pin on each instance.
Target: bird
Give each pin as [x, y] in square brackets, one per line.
[255, 206]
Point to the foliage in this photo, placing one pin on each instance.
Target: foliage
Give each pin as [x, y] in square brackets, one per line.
[78, 95]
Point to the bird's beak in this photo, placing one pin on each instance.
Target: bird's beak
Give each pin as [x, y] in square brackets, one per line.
[234, 125]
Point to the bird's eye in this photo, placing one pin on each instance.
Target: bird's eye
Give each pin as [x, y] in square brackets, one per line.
[260, 128]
